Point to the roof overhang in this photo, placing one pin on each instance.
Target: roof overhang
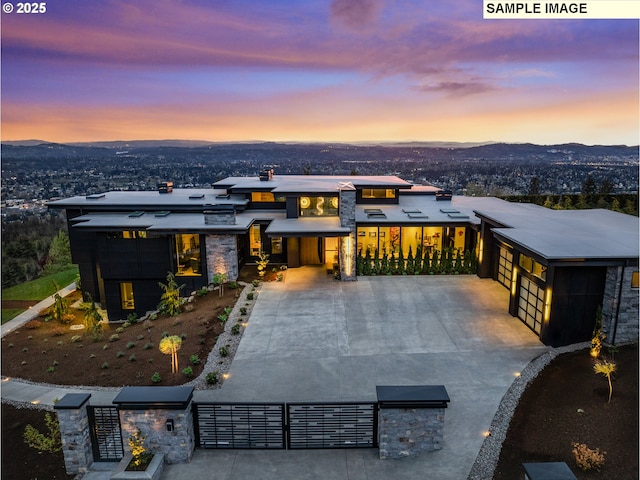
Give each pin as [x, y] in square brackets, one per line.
[307, 227]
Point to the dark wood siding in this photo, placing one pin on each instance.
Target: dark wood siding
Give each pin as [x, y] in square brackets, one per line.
[577, 293]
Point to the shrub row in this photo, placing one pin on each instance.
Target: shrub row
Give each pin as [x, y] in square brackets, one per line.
[447, 262]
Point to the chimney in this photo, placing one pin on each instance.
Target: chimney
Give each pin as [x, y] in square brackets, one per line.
[219, 214]
[266, 174]
[165, 187]
[444, 195]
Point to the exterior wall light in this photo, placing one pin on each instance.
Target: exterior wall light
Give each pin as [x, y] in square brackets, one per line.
[170, 425]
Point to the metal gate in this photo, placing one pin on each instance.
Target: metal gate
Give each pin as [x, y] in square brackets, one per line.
[332, 425]
[239, 425]
[305, 425]
[106, 437]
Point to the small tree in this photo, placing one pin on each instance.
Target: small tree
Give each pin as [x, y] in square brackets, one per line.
[138, 450]
[60, 305]
[219, 279]
[606, 368]
[92, 318]
[170, 302]
[170, 346]
[263, 261]
[42, 442]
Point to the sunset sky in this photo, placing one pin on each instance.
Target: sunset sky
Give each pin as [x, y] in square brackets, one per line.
[312, 70]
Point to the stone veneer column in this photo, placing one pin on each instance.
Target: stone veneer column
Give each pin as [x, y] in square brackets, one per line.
[620, 306]
[74, 430]
[410, 420]
[148, 409]
[347, 244]
[222, 256]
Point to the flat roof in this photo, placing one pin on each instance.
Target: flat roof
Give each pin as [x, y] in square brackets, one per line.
[576, 234]
[174, 222]
[310, 183]
[307, 227]
[180, 198]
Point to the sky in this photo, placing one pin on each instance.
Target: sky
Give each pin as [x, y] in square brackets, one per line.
[314, 71]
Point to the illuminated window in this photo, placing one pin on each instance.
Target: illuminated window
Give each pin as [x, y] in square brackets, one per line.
[126, 296]
[262, 197]
[378, 193]
[635, 281]
[255, 240]
[188, 254]
[128, 234]
[276, 245]
[319, 206]
[533, 267]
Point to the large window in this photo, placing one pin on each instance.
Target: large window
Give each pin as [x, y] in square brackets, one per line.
[505, 265]
[389, 240]
[266, 197]
[276, 245]
[126, 296]
[188, 254]
[533, 267]
[255, 240]
[378, 193]
[318, 206]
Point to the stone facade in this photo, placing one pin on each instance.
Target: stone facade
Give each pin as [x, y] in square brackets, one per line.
[620, 306]
[177, 446]
[347, 246]
[222, 256]
[405, 432]
[74, 430]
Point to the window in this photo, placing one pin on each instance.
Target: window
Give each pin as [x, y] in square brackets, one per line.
[126, 296]
[188, 254]
[255, 241]
[266, 197]
[276, 245]
[378, 193]
[533, 267]
[128, 234]
[318, 206]
[635, 281]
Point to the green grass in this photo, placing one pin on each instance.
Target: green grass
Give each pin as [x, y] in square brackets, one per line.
[10, 314]
[40, 288]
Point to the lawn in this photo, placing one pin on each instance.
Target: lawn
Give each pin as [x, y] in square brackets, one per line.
[17, 299]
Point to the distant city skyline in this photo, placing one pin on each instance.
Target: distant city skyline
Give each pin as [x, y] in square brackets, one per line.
[315, 71]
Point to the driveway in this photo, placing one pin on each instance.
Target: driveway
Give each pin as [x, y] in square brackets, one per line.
[311, 338]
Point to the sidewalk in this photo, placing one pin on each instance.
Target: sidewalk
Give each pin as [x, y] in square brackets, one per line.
[33, 312]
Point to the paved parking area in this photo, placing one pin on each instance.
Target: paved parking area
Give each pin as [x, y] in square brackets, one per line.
[315, 339]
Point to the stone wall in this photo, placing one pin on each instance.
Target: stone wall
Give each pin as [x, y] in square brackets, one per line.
[74, 430]
[177, 445]
[347, 246]
[222, 256]
[405, 432]
[620, 306]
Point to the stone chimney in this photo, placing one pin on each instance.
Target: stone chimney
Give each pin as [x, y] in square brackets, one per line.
[219, 215]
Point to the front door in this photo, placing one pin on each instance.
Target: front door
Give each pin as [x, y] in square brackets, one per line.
[310, 251]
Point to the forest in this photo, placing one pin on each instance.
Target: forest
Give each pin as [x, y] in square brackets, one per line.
[33, 246]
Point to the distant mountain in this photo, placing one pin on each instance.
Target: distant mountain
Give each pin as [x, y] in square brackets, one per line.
[24, 143]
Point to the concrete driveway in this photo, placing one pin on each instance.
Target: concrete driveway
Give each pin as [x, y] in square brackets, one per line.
[315, 339]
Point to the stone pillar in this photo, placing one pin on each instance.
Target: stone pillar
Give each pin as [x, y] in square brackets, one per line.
[347, 244]
[163, 415]
[75, 432]
[222, 256]
[410, 420]
[620, 306]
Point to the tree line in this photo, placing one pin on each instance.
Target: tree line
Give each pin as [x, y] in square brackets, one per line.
[32, 247]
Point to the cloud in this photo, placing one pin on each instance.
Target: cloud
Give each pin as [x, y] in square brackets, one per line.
[458, 89]
[355, 14]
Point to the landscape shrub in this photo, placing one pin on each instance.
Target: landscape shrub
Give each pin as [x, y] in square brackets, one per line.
[194, 359]
[587, 458]
[235, 330]
[50, 442]
[114, 338]
[224, 351]
[212, 377]
[155, 378]
[33, 324]
[187, 371]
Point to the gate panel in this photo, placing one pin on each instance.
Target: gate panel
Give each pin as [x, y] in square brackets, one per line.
[239, 425]
[106, 436]
[337, 425]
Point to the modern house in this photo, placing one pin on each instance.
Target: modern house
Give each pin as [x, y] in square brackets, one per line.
[558, 266]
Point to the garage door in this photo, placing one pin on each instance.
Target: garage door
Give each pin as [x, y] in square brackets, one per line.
[531, 304]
